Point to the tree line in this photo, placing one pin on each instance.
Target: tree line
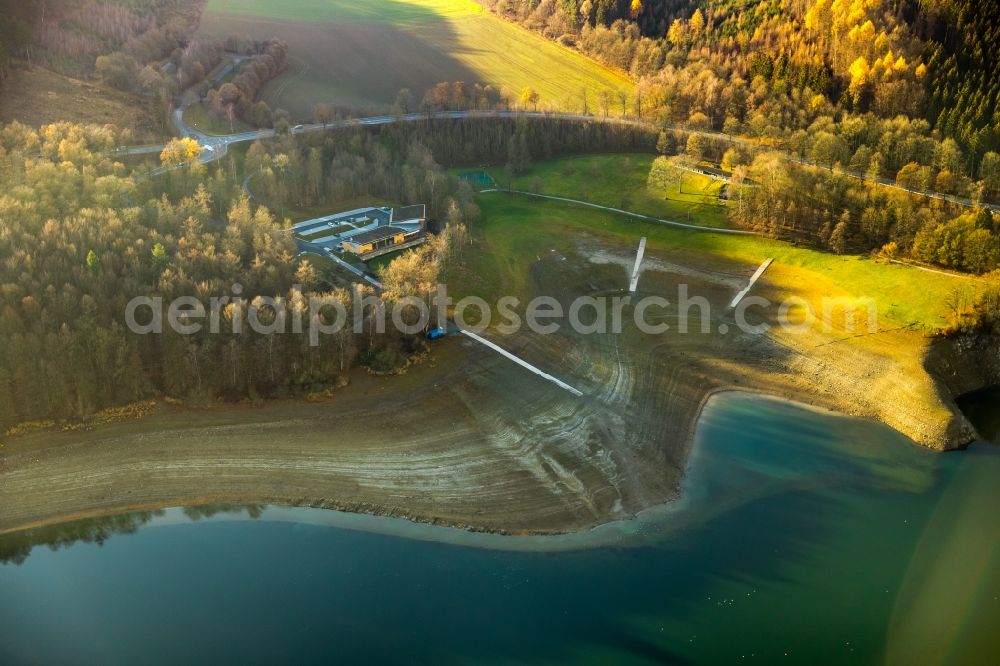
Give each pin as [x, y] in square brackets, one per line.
[404, 162]
[83, 234]
[238, 98]
[839, 213]
[905, 81]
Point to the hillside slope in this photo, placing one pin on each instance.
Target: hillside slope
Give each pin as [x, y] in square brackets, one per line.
[932, 60]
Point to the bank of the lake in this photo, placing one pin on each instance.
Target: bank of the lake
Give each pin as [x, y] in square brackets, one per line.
[470, 439]
[801, 537]
[982, 407]
[452, 442]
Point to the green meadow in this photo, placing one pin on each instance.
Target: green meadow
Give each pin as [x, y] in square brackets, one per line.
[620, 181]
[515, 229]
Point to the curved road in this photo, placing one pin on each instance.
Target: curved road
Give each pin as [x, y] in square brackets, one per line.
[216, 146]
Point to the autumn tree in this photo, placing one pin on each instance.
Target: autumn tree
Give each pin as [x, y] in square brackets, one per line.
[118, 69]
[404, 100]
[696, 147]
[180, 151]
[697, 23]
[323, 113]
[230, 97]
[529, 98]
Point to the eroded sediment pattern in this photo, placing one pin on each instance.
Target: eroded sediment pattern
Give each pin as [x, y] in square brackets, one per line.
[471, 439]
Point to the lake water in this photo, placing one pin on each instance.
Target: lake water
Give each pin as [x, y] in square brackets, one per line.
[802, 538]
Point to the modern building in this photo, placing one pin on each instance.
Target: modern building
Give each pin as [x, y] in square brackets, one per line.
[381, 240]
[407, 227]
[366, 232]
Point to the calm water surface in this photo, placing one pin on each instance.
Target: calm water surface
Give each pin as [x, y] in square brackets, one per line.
[802, 538]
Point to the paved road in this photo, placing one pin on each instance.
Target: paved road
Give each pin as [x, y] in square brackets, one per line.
[139, 150]
[216, 146]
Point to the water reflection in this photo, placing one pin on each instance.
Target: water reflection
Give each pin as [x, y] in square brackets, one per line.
[212, 510]
[15, 547]
[800, 538]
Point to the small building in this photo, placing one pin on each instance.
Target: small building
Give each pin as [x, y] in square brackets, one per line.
[381, 240]
[401, 228]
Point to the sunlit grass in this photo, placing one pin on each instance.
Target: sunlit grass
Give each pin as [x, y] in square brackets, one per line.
[620, 181]
[515, 231]
[396, 12]
[360, 53]
[199, 117]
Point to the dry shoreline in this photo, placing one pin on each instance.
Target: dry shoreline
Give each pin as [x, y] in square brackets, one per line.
[652, 514]
[470, 440]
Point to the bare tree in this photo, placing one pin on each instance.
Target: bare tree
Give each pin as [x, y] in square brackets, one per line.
[605, 100]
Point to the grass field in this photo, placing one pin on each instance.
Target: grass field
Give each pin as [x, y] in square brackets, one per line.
[522, 226]
[199, 117]
[515, 228]
[362, 53]
[620, 181]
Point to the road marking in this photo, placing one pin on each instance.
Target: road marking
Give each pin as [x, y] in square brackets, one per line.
[638, 262]
[756, 276]
[525, 364]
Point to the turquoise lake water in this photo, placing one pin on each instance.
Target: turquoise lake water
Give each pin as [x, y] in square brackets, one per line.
[801, 538]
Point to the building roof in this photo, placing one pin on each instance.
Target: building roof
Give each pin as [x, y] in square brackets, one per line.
[409, 213]
[375, 235]
[357, 216]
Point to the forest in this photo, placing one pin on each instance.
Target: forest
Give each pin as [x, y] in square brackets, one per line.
[70, 35]
[903, 91]
[786, 71]
[825, 207]
[83, 234]
[931, 60]
[838, 213]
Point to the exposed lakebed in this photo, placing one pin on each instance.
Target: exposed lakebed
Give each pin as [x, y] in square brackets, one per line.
[800, 537]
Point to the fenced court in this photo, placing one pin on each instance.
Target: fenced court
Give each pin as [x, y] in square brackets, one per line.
[478, 179]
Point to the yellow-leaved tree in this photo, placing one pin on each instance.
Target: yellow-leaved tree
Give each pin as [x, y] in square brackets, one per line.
[180, 151]
[529, 97]
[860, 73]
[697, 23]
[677, 33]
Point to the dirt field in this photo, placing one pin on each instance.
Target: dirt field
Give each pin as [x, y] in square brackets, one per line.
[344, 53]
[38, 97]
